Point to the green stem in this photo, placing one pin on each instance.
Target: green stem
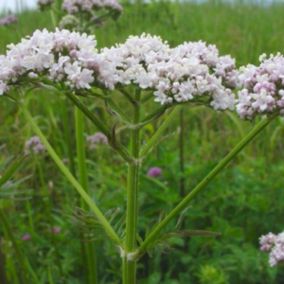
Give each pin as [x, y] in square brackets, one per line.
[88, 248]
[132, 196]
[53, 19]
[68, 136]
[153, 116]
[115, 145]
[128, 96]
[155, 138]
[217, 169]
[116, 109]
[99, 124]
[97, 212]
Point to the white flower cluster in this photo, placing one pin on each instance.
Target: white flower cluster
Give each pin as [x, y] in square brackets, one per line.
[262, 87]
[180, 74]
[274, 244]
[188, 72]
[76, 6]
[61, 56]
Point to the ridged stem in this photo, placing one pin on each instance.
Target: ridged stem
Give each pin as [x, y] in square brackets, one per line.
[129, 265]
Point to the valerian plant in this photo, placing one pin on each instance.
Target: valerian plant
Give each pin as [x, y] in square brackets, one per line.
[141, 71]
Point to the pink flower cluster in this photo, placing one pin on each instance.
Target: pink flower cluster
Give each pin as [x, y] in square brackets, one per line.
[192, 71]
[8, 20]
[154, 172]
[76, 6]
[34, 146]
[94, 140]
[61, 56]
[189, 72]
[274, 244]
[262, 87]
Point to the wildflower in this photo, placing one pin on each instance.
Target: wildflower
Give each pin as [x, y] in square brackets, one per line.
[34, 146]
[274, 244]
[185, 73]
[154, 172]
[267, 242]
[189, 72]
[55, 230]
[42, 54]
[262, 87]
[26, 237]
[96, 139]
[8, 20]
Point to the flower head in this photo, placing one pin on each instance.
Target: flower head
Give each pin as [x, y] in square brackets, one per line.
[192, 71]
[154, 172]
[34, 146]
[267, 241]
[61, 56]
[8, 20]
[55, 230]
[262, 87]
[94, 140]
[26, 237]
[274, 245]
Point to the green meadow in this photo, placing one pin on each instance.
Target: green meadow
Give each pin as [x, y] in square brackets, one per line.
[244, 202]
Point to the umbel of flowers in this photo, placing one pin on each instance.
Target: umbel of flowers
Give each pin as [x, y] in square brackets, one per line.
[189, 72]
[141, 69]
[274, 245]
[262, 87]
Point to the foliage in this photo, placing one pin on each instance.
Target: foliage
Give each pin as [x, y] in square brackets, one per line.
[241, 204]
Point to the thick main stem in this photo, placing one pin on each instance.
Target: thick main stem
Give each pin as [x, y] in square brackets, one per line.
[129, 264]
[218, 168]
[88, 248]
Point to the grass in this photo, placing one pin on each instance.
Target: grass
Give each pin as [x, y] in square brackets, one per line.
[243, 203]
